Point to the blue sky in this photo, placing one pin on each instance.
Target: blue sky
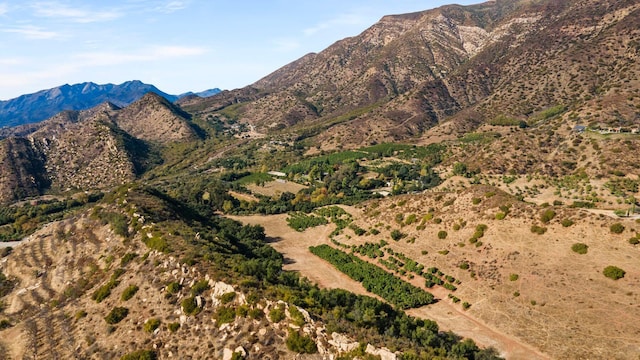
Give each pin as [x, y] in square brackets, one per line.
[179, 46]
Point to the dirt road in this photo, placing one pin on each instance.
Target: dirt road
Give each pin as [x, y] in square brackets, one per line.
[294, 247]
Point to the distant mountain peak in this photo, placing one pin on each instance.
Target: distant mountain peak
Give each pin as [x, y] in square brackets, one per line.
[39, 106]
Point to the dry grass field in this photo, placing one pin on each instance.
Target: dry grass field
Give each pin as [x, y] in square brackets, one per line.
[273, 188]
[531, 296]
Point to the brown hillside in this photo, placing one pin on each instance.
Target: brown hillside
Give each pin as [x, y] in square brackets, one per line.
[154, 119]
[469, 65]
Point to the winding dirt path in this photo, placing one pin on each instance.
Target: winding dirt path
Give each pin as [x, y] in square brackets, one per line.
[294, 247]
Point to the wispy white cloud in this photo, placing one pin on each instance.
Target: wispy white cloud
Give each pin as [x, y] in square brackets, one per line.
[80, 15]
[172, 6]
[341, 20]
[12, 61]
[4, 8]
[32, 32]
[154, 53]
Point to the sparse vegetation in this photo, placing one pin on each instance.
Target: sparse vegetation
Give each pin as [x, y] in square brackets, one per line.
[127, 258]
[227, 297]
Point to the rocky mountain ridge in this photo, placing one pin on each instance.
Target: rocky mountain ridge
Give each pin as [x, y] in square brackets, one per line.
[96, 148]
[462, 64]
[39, 106]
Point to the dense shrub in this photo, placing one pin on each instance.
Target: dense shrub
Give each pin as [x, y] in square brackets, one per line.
[173, 327]
[80, 314]
[442, 234]
[513, 277]
[617, 228]
[567, 222]
[224, 315]
[301, 344]
[199, 287]
[538, 229]
[256, 314]
[613, 272]
[300, 221]
[357, 230]
[173, 287]
[141, 355]
[129, 292]
[397, 234]
[151, 325]
[116, 315]
[277, 314]
[104, 291]
[296, 315]
[157, 242]
[190, 306]
[227, 297]
[547, 216]
[127, 258]
[580, 248]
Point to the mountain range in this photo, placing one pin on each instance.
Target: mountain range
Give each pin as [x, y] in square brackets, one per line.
[467, 65]
[32, 108]
[101, 147]
[487, 154]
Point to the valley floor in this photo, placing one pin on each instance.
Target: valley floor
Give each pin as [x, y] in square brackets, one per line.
[295, 248]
